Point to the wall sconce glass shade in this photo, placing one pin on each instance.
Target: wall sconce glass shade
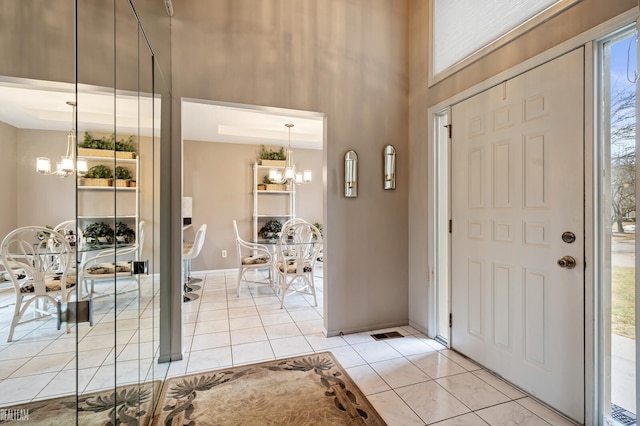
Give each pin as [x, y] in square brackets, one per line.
[351, 174]
[389, 167]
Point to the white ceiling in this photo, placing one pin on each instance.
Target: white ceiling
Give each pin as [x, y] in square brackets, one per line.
[45, 108]
[212, 122]
[41, 105]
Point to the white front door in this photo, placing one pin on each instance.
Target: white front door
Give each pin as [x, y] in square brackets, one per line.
[517, 186]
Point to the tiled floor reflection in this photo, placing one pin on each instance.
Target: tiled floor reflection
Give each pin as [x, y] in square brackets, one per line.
[410, 381]
[41, 361]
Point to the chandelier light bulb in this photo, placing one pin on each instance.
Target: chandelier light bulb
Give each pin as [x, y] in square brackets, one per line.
[82, 166]
[43, 165]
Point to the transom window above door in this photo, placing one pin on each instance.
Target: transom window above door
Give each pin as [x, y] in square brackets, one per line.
[465, 30]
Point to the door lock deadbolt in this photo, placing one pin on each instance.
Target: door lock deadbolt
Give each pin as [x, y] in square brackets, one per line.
[568, 237]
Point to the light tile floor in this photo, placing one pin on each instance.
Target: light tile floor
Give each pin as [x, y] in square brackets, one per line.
[410, 381]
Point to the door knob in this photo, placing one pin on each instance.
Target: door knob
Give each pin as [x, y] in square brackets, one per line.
[567, 262]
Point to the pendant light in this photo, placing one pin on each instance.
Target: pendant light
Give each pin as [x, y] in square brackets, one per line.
[67, 164]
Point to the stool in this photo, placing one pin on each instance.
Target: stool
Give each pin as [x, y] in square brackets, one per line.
[191, 252]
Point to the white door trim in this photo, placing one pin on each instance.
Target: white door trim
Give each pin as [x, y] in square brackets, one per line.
[585, 39]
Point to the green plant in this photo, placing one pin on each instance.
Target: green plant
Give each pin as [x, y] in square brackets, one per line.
[125, 145]
[270, 230]
[122, 173]
[267, 154]
[319, 226]
[99, 172]
[108, 143]
[124, 234]
[97, 230]
[89, 142]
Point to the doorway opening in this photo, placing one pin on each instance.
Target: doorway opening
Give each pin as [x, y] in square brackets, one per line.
[617, 225]
[227, 181]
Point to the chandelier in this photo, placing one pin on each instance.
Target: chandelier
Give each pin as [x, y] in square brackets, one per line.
[288, 173]
[67, 164]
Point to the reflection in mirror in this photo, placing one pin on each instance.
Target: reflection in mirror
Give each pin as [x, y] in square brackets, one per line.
[77, 81]
[34, 123]
[40, 360]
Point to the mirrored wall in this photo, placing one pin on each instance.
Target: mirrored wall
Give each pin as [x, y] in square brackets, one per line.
[80, 126]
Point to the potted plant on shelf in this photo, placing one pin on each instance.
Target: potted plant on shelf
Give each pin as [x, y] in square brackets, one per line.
[270, 186]
[98, 233]
[123, 175]
[263, 186]
[271, 230]
[95, 147]
[124, 234]
[125, 146]
[273, 158]
[98, 175]
[105, 146]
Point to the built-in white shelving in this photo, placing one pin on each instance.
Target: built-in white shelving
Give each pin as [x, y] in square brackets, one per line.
[270, 204]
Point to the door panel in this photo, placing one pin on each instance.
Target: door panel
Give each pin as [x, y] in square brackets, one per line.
[517, 185]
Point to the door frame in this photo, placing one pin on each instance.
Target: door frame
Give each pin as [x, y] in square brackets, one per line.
[441, 237]
[440, 194]
[603, 159]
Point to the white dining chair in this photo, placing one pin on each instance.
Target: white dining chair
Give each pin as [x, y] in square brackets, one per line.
[253, 257]
[297, 252]
[38, 261]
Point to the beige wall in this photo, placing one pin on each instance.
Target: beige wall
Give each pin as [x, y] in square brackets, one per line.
[348, 60]
[576, 20]
[43, 200]
[9, 179]
[38, 36]
[219, 178]
[36, 39]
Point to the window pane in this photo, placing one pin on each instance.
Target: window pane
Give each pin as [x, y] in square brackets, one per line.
[462, 27]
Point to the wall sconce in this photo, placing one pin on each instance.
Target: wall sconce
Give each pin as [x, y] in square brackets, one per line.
[351, 174]
[389, 167]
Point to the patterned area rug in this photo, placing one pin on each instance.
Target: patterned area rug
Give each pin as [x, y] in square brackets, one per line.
[119, 407]
[304, 390]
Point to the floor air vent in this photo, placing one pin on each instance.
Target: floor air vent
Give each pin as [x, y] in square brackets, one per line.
[623, 416]
[388, 335]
